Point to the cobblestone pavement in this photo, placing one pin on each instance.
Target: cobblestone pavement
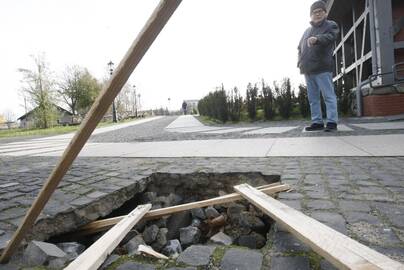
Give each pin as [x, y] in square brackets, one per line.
[154, 131]
[360, 197]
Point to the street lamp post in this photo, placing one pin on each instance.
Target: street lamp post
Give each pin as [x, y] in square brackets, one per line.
[135, 101]
[168, 109]
[111, 70]
[138, 100]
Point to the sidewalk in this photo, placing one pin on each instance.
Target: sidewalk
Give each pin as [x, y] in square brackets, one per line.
[321, 146]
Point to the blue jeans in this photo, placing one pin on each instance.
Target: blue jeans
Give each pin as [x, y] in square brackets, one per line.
[317, 83]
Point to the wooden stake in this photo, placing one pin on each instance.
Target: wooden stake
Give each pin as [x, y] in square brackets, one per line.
[340, 250]
[95, 255]
[150, 31]
[105, 224]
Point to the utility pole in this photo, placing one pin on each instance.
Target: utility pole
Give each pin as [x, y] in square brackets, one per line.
[111, 70]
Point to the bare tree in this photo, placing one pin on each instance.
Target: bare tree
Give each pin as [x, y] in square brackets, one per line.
[9, 117]
[123, 101]
[69, 87]
[38, 87]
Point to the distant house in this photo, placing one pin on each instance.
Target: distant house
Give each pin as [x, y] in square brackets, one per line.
[192, 105]
[64, 118]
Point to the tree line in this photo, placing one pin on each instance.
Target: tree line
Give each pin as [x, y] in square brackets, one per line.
[76, 89]
[267, 102]
[262, 101]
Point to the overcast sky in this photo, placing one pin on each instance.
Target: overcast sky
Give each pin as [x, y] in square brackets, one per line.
[205, 43]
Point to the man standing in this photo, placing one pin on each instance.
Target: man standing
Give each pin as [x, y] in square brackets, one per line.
[317, 64]
[184, 107]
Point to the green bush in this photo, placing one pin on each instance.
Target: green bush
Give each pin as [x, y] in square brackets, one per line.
[268, 101]
[235, 103]
[303, 101]
[284, 99]
[252, 93]
[214, 105]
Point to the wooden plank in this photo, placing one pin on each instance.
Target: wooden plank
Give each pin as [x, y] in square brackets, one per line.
[151, 252]
[144, 40]
[96, 254]
[340, 250]
[102, 225]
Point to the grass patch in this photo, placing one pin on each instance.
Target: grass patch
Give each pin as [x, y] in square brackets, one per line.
[159, 264]
[21, 132]
[218, 255]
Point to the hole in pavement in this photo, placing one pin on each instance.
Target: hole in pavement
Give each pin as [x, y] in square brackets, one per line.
[239, 222]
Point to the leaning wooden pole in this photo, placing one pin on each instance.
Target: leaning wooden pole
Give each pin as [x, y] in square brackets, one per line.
[142, 43]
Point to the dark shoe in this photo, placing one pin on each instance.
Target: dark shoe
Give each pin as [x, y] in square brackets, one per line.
[331, 127]
[314, 127]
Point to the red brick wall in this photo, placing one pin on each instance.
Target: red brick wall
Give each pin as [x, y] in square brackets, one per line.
[382, 105]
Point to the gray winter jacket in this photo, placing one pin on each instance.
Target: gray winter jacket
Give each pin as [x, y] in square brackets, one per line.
[318, 58]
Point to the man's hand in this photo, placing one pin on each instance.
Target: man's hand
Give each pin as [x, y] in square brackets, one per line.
[311, 41]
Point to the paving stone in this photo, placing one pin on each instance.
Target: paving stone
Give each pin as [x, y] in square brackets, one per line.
[334, 220]
[180, 268]
[81, 201]
[324, 265]
[290, 263]
[38, 253]
[132, 245]
[189, 235]
[241, 259]
[172, 248]
[253, 240]
[374, 234]
[10, 266]
[378, 197]
[320, 205]
[150, 234]
[357, 206]
[96, 194]
[161, 239]
[285, 242]
[367, 183]
[198, 213]
[135, 266]
[8, 185]
[396, 253]
[395, 213]
[318, 195]
[176, 222]
[196, 255]
[249, 220]
[290, 195]
[211, 212]
[221, 239]
[109, 261]
[296, 204]
[13, 213]
[355, 217]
